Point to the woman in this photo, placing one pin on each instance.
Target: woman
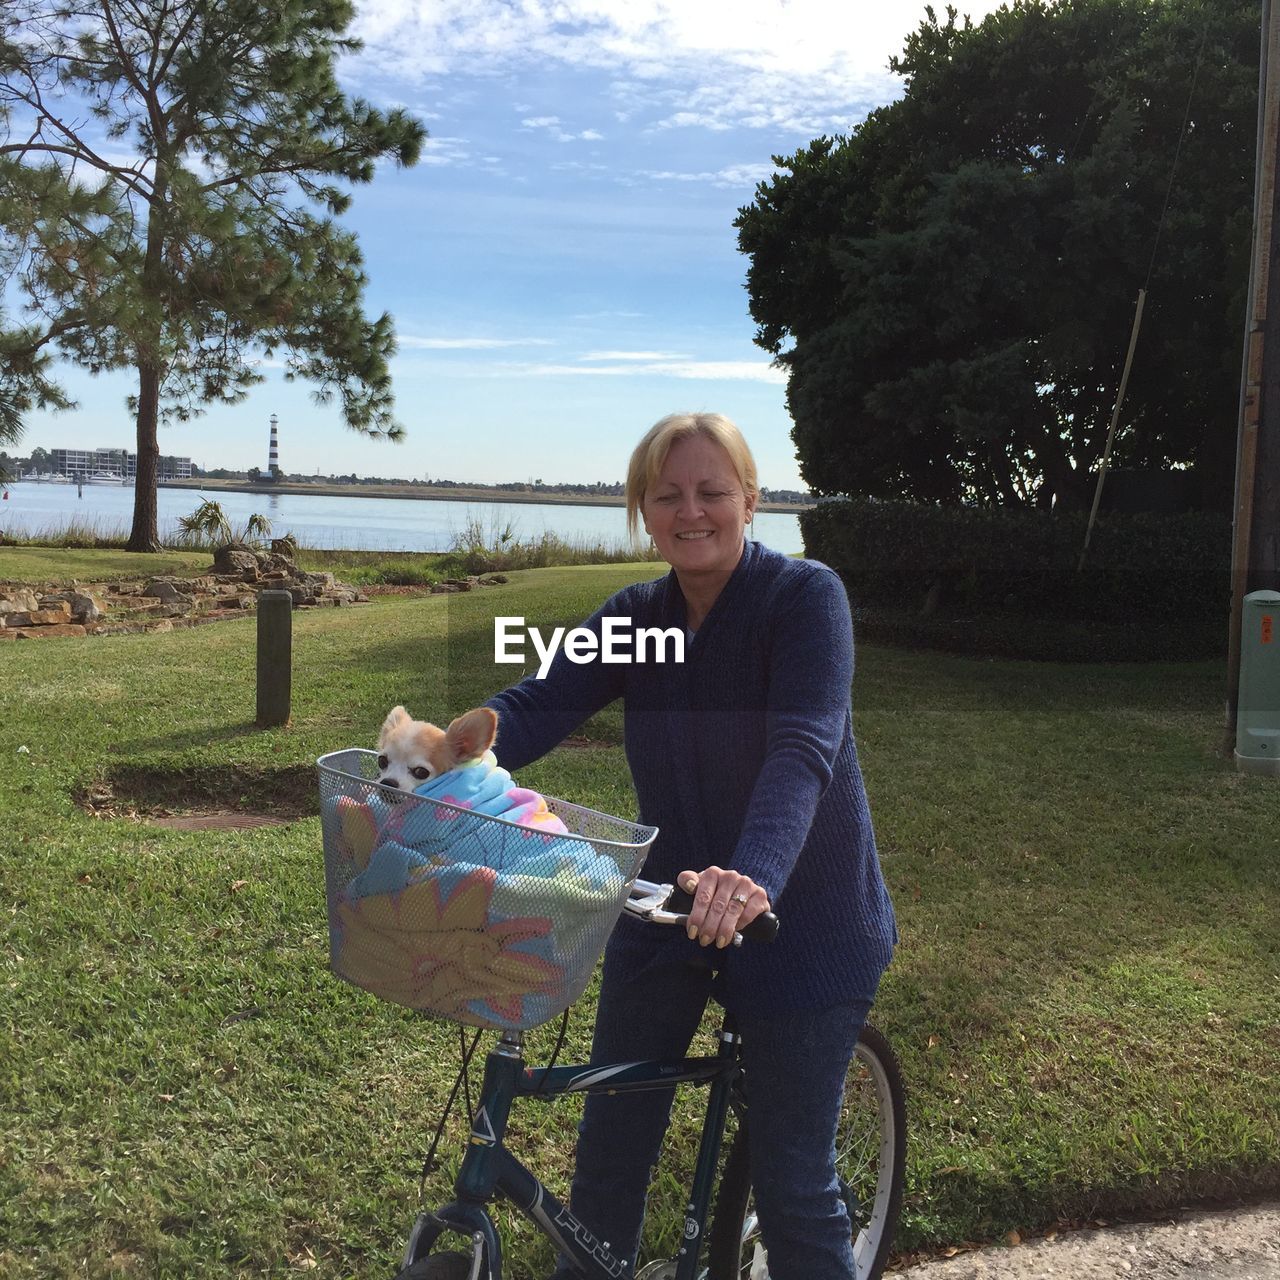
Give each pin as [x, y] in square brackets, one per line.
[743, 756]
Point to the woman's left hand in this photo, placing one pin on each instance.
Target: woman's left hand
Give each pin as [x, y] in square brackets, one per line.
[724, 902]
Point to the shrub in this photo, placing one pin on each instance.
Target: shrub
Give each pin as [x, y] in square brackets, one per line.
[1005, 581]
[475, 549]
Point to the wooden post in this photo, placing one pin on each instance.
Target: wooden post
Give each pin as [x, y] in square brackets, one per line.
[1115, 421]
[1255, 540]
[275, 657]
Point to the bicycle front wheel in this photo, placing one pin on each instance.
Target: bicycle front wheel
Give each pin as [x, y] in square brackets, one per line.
[871, 1148]
[438, 1266]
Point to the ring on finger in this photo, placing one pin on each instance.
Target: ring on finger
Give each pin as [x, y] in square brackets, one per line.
[740, 898]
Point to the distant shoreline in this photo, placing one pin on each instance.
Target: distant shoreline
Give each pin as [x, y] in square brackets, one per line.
[429, 492]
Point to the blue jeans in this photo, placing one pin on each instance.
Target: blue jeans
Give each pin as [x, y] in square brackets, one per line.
[795, 1068]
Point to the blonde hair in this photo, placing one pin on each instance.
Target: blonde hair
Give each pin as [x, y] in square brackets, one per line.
[650, 456]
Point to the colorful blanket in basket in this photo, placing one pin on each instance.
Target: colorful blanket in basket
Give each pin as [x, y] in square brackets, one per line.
[482, 785]
[483, 922]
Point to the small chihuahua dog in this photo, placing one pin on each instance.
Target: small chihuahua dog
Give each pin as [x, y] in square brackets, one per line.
[411, 751]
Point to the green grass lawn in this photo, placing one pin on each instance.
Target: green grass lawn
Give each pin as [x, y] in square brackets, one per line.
[62, 564]
[1086, 999]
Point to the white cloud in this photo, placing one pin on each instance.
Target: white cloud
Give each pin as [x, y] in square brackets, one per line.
[443, 151]
[806, 65]
[738, 175]
[468, 344]
[701, 370]
[633, 355]
[552, 126]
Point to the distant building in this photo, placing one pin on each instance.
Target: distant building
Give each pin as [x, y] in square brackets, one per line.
[73, 462]
[79, 463]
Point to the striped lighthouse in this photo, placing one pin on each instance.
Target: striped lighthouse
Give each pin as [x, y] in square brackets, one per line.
[273, 461]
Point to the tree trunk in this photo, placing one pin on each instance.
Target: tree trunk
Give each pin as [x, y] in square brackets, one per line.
[145, 535]
[1068, 487]
[1001, 470]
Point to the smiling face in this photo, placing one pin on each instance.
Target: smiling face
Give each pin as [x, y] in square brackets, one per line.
[696, 510]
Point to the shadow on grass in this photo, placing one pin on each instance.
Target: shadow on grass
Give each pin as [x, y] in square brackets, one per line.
[285, 792]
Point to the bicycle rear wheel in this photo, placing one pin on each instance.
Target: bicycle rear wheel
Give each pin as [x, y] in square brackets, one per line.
[871, 1147]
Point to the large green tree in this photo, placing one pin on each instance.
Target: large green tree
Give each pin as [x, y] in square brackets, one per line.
[170, 176]
[951, 287]
[25, 381]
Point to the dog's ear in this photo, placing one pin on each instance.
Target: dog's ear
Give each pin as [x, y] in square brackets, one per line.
[471, 735]
[397, 717]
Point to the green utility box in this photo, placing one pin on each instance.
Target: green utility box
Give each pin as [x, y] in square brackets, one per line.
[1258, 708]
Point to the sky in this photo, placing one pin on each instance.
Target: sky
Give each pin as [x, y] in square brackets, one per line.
[561, 264]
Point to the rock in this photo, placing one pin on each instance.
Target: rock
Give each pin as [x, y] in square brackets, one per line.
[86, 606]
[136, 604]
[165, 603]
[276, 563]
[164, 589]
[40, 617]
[235, 560]
[116, 628]
[51, 629]
[18, 600]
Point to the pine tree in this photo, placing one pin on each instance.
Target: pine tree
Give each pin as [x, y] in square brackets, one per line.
[212, 241]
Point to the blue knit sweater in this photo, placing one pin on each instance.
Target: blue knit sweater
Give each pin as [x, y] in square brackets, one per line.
[743, 756]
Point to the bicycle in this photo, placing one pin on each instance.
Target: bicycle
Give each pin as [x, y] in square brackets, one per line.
[871, 1142]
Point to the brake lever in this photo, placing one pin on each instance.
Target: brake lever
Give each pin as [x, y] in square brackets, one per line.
[764, 928]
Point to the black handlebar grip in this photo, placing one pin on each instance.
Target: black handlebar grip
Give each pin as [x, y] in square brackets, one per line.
[764, 928]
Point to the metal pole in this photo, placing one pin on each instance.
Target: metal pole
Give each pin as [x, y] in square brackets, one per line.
[1253, 537]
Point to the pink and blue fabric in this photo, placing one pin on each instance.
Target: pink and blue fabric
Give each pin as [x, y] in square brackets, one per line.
[485, 787]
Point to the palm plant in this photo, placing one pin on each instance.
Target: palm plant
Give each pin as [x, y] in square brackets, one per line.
[208, 523]
[258, 528]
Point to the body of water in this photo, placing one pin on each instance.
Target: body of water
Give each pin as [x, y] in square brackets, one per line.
[382, 524]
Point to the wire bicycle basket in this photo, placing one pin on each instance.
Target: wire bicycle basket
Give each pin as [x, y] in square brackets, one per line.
[467, 916]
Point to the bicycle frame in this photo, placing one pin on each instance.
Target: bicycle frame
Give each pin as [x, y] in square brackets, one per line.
[489, 1169]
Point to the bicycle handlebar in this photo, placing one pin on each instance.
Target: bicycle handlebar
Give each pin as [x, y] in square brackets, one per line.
[669, 904]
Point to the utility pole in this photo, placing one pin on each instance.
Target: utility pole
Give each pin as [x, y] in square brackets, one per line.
[1255, 542]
